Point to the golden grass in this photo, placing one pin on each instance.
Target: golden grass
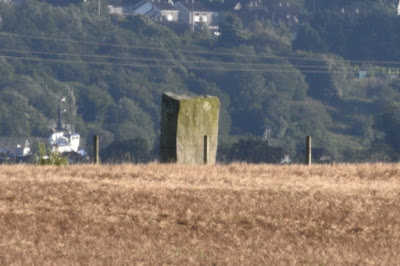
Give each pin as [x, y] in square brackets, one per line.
[235, 214]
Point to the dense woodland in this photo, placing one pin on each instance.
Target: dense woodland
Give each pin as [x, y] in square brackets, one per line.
[274, 89]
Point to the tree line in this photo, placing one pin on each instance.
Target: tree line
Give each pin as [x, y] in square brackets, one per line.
[114, 70]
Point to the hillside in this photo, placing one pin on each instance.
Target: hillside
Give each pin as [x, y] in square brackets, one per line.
[226, 214]
[337, 81]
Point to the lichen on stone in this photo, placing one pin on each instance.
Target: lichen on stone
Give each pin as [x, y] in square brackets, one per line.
[185, 120]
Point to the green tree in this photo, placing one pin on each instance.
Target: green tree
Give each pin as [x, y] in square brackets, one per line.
[130, 122]
[388, 121]
[94, 103]
[7, 72]
[244, 88]
[232, 32]
[308, 39]
[267, 38]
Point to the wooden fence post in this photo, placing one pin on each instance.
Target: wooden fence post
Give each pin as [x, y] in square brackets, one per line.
[206, 149]
[308, 150]
[96, 149]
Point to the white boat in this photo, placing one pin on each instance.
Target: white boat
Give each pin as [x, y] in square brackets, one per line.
[62, 140]
[23, 151]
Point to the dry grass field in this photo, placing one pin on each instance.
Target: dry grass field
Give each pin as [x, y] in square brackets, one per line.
[235, 214]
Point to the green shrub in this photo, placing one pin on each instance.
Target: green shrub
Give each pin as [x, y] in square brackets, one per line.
[47, 157]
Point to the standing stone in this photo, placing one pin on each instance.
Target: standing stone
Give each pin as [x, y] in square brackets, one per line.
[185, 121]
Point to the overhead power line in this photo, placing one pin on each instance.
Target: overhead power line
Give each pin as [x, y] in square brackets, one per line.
[303, 58]
[207, 61]
[66, 61]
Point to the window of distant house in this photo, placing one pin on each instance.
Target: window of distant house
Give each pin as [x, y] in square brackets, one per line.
[204, 18]
[169, 17]
[196, 18]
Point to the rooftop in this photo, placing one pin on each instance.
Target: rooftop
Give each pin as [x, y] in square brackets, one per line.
[163, 5]
[160, 4]
[197, 6]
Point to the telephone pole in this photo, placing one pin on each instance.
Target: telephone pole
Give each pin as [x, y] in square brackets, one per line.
[192, 17]
[313, 10]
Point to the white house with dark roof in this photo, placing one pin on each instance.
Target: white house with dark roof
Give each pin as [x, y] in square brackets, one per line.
[193, 13]
[398, 9]
[156, 9]
[12, 1]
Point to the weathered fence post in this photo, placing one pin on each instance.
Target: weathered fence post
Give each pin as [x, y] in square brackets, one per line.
[206, 149]
[96, 149]
[308, 150]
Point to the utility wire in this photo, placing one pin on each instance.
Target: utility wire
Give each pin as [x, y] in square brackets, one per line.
[191, 51]
[172, 60]
[66, 61]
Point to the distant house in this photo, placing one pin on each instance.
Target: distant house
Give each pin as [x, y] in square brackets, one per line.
[250, 5]
[11, 1]
[196, 13]
[286, 159]
[398, 9]
[362, 74]
[277, 13]
[157, 10]
[321, 155]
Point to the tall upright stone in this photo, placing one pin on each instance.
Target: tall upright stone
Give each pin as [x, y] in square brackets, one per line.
[189, 129]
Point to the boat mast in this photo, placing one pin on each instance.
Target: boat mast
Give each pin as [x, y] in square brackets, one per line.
[59, 115]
